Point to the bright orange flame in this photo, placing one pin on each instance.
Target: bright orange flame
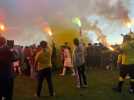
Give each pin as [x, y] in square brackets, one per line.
[111, 48]
[2, 27]
[48, 30]
[50, 33]
[129, 23]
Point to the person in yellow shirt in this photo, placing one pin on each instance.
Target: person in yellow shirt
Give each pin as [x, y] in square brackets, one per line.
[44, 68]
[125, 70]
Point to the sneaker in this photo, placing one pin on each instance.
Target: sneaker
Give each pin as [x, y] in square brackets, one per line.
[73, 74]
[78, 86]
[85, 86]
[53, 94]
[35, 95]
[131, 91]
[3, 98]
[61, 74]
[127, 77]
[116, 89]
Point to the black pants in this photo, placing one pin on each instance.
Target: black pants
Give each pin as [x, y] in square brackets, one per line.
[6, 88]
[45, 74]
[82, 76]
[127, 70]
[131, 74]
[124, 71]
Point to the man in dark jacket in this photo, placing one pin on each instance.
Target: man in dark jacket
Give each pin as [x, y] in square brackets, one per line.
[6, 75]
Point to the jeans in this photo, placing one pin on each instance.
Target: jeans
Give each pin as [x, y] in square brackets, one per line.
[45, 74]
[82, 76]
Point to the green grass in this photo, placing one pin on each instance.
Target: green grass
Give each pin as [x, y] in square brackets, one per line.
[100, 83]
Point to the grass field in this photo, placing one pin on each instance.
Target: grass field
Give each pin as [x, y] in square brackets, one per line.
[100, 83]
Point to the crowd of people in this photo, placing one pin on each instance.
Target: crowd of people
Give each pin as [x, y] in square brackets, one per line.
[19, 60]
[40, 61]
[96, 56]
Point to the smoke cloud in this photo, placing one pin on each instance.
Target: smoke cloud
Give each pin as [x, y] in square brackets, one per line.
[24, 17]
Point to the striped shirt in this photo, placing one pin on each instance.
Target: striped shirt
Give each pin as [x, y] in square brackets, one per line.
[78, 56]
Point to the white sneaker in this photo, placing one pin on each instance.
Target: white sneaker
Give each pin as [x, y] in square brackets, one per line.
[61, 74]
[3, 98]
[78, 86]
[35, 95]
[73, 74]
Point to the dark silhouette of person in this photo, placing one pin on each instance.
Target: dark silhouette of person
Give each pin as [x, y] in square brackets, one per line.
[6, 73]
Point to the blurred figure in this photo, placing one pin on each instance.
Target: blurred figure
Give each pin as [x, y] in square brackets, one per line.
[89, 56]
[126, 65]
[67, 60]
[122, 64]
[110, 62]
[17, 64]
[62, 57]
[28, 56]
[54, 57]
[44, 68]
[79, 62]
[6, 73]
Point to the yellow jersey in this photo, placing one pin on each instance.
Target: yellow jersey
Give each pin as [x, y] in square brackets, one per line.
[122, 59]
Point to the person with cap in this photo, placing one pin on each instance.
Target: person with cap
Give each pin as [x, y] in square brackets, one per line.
[6, 73]
[44, 68]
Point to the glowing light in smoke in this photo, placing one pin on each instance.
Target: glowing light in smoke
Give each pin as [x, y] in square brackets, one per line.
[110, 48]
[129, 23]
[48, 30]
[2, 27]
[77, 21]
[50, 33]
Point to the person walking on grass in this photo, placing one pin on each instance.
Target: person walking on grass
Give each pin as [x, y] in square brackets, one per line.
[44, 68]
[79, 63]
[67, 60]
[125, 63]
